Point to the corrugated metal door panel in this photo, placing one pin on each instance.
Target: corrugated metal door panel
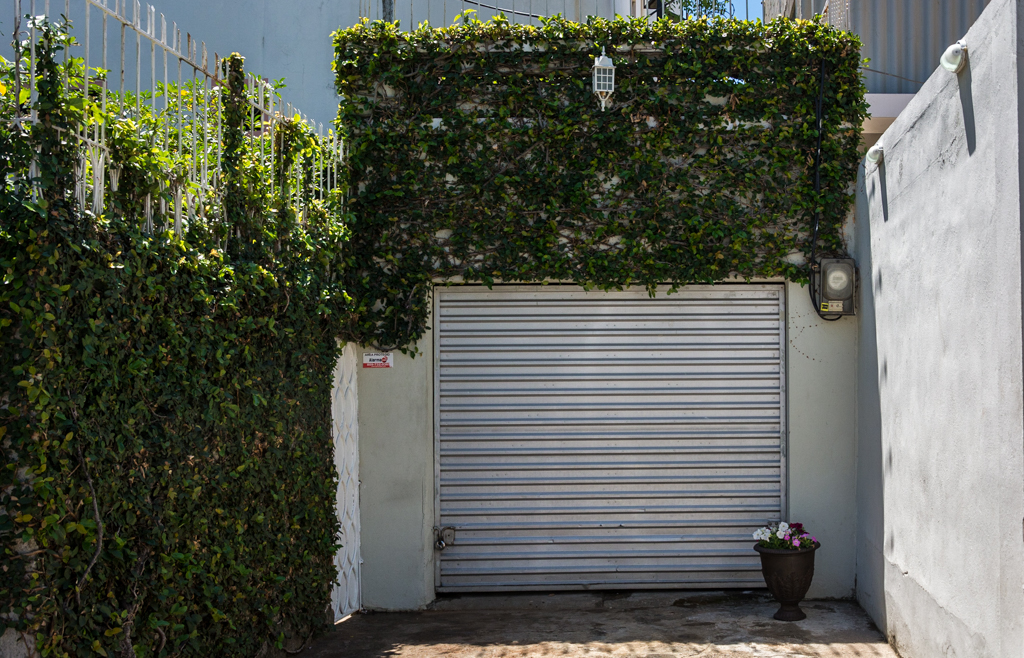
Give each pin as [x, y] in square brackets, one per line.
[591, 439]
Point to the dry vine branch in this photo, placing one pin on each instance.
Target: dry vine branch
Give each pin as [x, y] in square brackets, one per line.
[99, 528]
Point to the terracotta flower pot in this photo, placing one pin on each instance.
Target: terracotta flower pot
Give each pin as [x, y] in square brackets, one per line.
[788, 575]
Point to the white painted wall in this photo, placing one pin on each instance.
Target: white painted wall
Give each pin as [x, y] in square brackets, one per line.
[822, 371]
[397, 461]
[941, 438]
[346, 594]
[16, 645]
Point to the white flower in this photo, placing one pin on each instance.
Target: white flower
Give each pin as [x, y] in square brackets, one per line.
[761, 534]
[783, 527]
[780, 534]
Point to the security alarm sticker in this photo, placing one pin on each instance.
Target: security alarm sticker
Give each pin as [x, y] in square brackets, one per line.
[378, 360]
[832, 307]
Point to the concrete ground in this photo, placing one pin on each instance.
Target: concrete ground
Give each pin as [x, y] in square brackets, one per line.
[613, 624]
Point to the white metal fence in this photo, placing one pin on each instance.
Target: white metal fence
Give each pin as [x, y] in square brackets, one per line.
[162, 82]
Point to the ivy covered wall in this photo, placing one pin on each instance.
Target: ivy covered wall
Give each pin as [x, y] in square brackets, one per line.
[167, 484]
[478, 152]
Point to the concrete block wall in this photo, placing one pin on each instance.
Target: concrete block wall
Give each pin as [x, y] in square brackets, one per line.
[940, 407]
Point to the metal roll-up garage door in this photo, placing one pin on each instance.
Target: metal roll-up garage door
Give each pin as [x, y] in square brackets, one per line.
[607, 439]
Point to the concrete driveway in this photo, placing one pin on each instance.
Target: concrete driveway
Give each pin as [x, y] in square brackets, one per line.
[626, 625]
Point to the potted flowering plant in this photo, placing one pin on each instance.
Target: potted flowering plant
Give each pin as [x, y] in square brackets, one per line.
[787, 564]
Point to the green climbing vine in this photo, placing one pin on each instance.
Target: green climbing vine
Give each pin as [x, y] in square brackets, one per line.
[477, 152]
[167, 483]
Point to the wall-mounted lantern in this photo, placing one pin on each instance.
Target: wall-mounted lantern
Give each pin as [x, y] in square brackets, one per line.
[604, 78]
[837, 280]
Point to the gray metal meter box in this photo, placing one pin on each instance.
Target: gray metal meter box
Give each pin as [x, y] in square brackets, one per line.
[836, 284]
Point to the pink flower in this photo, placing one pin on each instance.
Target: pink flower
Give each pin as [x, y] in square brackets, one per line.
[796, 543]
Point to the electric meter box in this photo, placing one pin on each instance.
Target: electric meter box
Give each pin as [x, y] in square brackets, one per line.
[836, 285]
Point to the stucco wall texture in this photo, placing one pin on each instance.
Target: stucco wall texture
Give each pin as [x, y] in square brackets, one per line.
[941, 440]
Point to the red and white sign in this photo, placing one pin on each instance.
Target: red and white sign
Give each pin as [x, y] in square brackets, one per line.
[378, 360]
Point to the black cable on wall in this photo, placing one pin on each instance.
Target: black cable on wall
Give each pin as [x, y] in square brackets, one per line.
[817, 190]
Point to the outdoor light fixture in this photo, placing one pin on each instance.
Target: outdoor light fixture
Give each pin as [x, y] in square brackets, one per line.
[836, 280]
[955, 56]
[875, 154]
[604, 78]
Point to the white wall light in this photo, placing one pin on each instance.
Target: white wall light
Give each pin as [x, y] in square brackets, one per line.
[955, 57]
[604, 78]
[875, 154]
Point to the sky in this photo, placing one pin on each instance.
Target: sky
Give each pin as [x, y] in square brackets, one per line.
[748, 9]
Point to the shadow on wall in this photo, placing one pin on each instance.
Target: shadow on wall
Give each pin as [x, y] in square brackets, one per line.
[967, 105]
[871, 465]
[883, 195]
